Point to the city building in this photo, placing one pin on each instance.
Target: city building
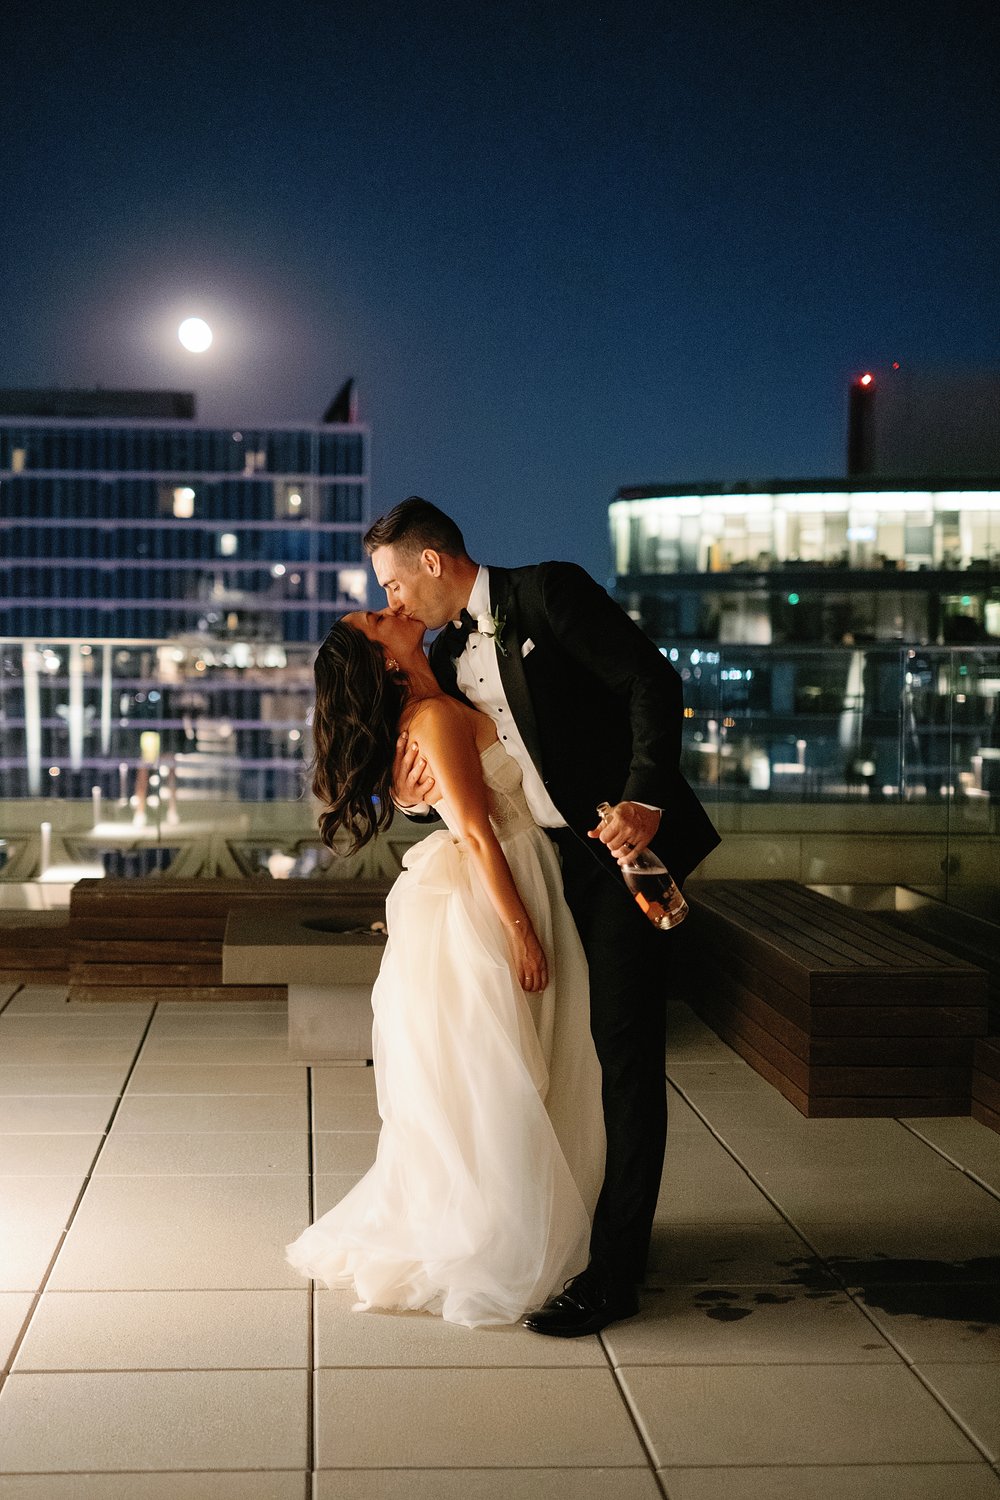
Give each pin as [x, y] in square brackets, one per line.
[162, 587]
[121, 523]
[839, 639]
[816, 561]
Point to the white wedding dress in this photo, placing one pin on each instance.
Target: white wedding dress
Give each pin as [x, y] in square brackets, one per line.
[491, 1153]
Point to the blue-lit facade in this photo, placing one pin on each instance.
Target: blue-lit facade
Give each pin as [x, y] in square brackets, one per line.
[163, 529]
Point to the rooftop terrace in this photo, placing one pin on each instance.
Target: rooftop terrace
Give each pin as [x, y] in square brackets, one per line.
[821, 1320]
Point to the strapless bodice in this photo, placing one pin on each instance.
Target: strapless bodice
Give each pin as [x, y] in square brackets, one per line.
[509, 813]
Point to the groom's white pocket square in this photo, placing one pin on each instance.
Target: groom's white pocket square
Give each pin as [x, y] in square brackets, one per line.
[528, 647]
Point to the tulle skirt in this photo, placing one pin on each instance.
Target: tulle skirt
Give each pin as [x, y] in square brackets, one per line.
[491, 1152]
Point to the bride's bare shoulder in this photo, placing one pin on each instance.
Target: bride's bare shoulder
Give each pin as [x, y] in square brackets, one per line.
[437, 713]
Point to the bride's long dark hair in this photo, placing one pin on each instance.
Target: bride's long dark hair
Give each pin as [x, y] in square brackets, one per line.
[355, 725]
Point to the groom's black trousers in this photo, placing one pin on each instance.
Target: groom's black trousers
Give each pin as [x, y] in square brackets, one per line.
[629, 963]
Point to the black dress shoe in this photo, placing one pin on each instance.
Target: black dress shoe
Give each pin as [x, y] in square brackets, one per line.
[585, 1305]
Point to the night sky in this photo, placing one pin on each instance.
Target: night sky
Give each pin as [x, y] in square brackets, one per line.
[562, 247]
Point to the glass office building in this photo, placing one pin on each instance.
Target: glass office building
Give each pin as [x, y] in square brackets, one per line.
[839, 644]
[157, 528]
[163, 584]
[820, 562]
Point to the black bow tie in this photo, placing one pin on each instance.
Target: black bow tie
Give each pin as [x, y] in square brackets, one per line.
[460, 633]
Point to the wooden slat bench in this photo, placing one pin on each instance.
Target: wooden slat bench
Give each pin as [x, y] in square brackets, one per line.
[843, 1015]
[971, 938]
[986, 1082]
[162, 939]
[34, 947]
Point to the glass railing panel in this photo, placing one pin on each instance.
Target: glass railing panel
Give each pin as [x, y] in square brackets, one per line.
[836, 765]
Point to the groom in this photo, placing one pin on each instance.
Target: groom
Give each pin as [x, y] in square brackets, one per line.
[592, 712]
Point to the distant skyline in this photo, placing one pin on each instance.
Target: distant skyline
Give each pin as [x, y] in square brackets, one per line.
[561, 248]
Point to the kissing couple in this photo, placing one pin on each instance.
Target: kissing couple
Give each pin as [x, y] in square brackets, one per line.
[519, 1026]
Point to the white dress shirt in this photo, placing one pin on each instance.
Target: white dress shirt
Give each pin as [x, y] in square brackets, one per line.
[478, 674]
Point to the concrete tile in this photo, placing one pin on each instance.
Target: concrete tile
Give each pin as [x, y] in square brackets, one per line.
[66, 1051]
[720, 1075]
[330, 1080]
[790, 1414]
[733, 1254]
[14, 1308]
[252, 1025]
[972, 1393]
[216, 1485]
[39, 1202]
[196, 1152]
[37, 998]
[947, 1322]
[218, 1051]
[969, 1144]
[62, 1079]
[192, 1232]
[343, 1153]
[706, 1185]
[733, 1112]
[48, 1114]
[909, 1236]
[119, 1025]
[47, 1155]
[154, 1421]
[843, 1482]
[472, 1418]
[346, 1112]
[683, 1121]
[894, 1151]
[159, 1078]
[689, 1040]
[329, 1190]
[765, 1325]
[168, 1331]
[485, 1484]
[877, 1195]
[379, 1340]
[222, 1007]
[151, 1114]
[26, 1257]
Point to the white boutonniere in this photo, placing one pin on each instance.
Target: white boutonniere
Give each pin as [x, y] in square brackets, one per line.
[492, 627]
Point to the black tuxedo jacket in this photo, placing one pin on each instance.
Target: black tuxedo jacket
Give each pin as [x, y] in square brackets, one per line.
[597, 705]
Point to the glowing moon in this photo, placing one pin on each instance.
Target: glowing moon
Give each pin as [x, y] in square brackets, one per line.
[195, 334]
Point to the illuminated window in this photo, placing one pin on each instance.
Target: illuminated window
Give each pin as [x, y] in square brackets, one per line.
[183, 502]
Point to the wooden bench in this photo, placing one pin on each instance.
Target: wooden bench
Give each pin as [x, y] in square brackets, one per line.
[971, 938]
[34, 947]
[162, 940]
[845, 1016]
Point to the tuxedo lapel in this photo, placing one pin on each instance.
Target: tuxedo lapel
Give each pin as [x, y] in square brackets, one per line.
[444, 664]
[503, 602]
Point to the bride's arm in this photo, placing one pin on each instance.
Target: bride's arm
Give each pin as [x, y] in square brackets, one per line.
[448, 745]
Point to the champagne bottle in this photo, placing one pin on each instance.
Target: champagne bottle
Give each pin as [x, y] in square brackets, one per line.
[647, 877]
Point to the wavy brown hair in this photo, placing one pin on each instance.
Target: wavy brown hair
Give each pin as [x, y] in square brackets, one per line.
[355, 725]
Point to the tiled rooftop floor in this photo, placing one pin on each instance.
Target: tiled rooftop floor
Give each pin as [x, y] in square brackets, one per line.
[823, 1319]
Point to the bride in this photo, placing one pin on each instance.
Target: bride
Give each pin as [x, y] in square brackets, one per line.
[491, 1153]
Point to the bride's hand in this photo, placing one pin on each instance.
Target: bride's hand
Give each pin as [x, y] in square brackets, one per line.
[529, 957]
[412, 783]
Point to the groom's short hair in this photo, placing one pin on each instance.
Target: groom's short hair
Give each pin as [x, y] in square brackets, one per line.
[412, 526]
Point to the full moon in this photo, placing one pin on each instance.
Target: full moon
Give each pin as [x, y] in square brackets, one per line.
[195, 334]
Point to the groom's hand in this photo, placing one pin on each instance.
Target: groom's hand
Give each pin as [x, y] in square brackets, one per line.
[627, 830]
[412, 783]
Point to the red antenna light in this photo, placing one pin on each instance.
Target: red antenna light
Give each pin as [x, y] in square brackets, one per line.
[895, 364]
[866, 379]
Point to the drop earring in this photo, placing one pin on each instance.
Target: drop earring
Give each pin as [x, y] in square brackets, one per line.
[392, 665]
